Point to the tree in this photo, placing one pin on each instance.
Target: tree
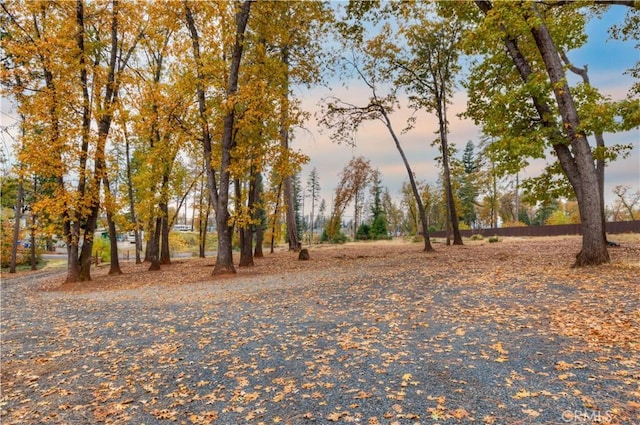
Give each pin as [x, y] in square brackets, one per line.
[28, 61]
[345, 118]
[627, 201]
[313, 189]
[298, 209]
[68, 97]
[123, 39]
[353, 179]
[322, 210]
[378, 229]
[468, 191]
[224, 261]
[158, 125]
[219, 187]
[429, 75]
[393, 214]
[298, 31]
[532, 36]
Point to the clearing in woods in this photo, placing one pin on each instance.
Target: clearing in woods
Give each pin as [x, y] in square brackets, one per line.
[369, 333]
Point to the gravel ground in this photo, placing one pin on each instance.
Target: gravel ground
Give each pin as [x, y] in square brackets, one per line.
[375, 334]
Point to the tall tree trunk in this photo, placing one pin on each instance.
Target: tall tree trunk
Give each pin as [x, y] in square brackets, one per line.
[104, 125]
[165, 251]
[219, 195]
[212, 184]
[154, 249]
[576, 160]
[594, 246]
[412, 181]
[444, 141]
[32, 247]
[275, 219]
[203, 226]
[94, 193]
[224, 261]
[114, 267]
[74, 230]
[16, 226]
[132, 203]
[258, 215]
[290, 213]
[451, 207]
[245, 231]
[600, 161]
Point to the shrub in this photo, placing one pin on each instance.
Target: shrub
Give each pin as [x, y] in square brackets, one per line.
[177, 242]
[339, 238]
[493, 239]
[189, 239]
[363, 232]
[101, 248]
[477, 237]
[514, 224]
[379, 228]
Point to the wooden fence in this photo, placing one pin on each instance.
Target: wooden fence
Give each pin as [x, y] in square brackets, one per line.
[555, 230]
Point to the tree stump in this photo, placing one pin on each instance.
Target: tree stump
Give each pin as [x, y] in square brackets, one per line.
[304, 254]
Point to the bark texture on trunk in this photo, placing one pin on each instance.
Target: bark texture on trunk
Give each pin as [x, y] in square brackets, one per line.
[16, 227]
[114, 266]
[245, 231]
[165, 253]
[594, 247]
[258, 216]
[414, 186]
[290, 213]
[575, 157]
[154, 249]
[224, 261]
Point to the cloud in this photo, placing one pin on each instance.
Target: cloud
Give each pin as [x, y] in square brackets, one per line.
[374, 142]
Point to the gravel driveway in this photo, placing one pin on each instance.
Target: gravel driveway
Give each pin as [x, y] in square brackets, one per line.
[391, 336]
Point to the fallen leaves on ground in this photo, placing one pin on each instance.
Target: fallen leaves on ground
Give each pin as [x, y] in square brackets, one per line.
[365, 333]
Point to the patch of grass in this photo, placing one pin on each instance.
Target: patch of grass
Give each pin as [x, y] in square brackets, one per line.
[53, 264]
[27, 267]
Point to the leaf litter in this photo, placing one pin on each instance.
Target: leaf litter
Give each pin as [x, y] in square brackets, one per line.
[364, 333]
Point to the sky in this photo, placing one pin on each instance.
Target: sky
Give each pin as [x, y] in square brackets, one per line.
[606, 59]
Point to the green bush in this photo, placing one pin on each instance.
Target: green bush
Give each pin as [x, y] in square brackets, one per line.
[102, 249]
[378, 229]
[477, 237]
[339, 238]
[493, 239]
[364, 232]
